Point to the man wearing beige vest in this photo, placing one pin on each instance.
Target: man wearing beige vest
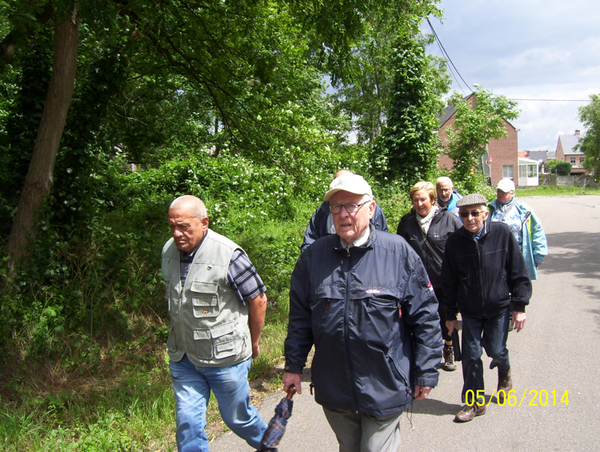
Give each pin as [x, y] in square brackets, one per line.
[217, 306]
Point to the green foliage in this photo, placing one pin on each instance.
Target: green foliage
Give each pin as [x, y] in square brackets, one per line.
[551, 165]
[24, 101]
[478, 119]
[407, 150]
[226, 101]
[562, 168]
[589, 144]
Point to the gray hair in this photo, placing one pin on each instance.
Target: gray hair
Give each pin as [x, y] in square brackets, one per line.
[443, 179]
[193, 203]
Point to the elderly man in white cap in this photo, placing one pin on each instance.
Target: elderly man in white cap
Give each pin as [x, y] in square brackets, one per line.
[524, 224]
[363, 298]
[321, 222]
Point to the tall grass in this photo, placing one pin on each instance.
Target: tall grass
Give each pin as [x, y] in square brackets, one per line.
[556, 190]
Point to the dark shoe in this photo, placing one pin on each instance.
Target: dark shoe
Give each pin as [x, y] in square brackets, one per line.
[468, 412]
[504, 386]
[449, 364]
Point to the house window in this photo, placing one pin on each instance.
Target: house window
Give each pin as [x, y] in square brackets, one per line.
[507, 171]
[572, 160]
[581, 159]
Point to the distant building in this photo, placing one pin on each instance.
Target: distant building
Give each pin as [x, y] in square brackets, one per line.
[528, 173]
[541, 157]
[501, 158]
[565, 151]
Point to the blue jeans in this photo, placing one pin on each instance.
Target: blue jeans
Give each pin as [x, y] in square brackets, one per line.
[491, 333]
[192, 385]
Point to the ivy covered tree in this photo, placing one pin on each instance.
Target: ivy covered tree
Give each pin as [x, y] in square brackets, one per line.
[479, 118]
[365, 89]
[589, 143]
[407, 150]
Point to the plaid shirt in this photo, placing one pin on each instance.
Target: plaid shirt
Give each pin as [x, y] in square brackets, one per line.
[241, 275]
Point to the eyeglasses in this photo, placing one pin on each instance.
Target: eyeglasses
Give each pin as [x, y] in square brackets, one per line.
[350, 208]
[474, 213]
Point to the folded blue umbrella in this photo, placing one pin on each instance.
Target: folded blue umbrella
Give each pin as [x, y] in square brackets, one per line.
[276, 427]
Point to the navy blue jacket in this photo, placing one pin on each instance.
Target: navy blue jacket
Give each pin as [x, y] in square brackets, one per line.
[373, 317]
[484, 277]
[317, 226]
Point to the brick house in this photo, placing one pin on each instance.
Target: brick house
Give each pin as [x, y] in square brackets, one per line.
[565, 151]
[501, 159]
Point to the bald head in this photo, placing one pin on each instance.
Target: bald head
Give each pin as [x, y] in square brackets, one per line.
[188, 222]
[191, 203]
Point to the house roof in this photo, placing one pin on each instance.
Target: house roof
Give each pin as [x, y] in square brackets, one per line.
[450, 110]
[523, 161]
[540, 155]
[568, 143]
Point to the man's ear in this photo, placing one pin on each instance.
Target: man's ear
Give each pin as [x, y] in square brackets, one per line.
[372, 209]
[205, 221]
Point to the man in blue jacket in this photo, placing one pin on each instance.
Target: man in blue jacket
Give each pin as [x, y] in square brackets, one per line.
[321, 223]
[447, 195]
[483, 274]
[363, 298]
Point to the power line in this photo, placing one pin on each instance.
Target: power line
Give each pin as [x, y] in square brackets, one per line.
[447, 57]
[553, 100]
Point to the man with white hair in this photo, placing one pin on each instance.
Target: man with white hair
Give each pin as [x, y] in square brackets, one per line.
[362, 297]
[447, 195]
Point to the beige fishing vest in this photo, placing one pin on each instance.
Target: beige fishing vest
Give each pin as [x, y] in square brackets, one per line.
[209, 323]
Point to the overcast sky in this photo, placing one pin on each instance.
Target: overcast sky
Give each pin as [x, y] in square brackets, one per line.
[526, 49]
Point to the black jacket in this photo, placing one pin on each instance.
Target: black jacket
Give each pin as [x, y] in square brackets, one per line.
[483, 277]
[372, 315]
[443, 224]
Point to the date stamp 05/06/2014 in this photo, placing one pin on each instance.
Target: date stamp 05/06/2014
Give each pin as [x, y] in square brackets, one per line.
[529, 397]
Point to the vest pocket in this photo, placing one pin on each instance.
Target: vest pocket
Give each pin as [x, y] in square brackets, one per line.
[218, 342]
[205, 299]
[172, 340]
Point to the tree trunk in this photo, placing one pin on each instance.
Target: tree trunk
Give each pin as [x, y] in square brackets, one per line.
[39, 176]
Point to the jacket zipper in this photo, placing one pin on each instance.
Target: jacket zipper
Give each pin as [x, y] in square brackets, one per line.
[346, 330]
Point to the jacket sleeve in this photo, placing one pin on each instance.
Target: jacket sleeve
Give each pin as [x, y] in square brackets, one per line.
[299, 338]
[401, 230]
[379, 220]
[316, 226]
[519, 282]
[538, 240]
[449, 283]
[420, 314]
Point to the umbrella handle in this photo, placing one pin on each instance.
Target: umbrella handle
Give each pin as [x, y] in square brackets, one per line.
[291, 391]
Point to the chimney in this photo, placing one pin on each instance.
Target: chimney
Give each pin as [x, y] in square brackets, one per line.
[576, 133]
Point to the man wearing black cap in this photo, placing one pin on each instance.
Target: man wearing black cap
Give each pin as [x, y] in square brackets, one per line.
[483, 274]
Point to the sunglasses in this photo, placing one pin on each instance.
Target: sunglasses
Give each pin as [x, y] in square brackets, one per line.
[474, 213]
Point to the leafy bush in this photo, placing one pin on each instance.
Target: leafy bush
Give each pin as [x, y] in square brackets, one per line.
[562, 168]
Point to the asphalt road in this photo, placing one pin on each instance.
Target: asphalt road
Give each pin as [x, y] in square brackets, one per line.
[551, 357]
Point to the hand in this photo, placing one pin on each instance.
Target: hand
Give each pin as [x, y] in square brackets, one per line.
[518, 320]
[451, 325]
[290, 379]
[421, 392]
[255, 351]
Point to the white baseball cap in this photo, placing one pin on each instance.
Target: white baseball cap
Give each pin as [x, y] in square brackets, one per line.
[506, 185]
[352, 183]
